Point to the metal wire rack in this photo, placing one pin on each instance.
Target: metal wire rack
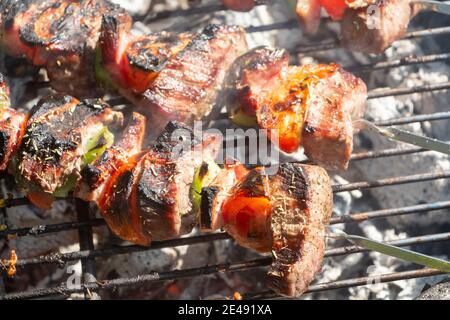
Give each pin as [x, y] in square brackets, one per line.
[84, 224]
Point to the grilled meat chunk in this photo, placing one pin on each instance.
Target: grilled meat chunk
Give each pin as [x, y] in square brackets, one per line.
[239, 5]
[163, 191]
[157, 197]
[302, 202]
[311, 105]
[251, 78]
[187, 88]
[334, 102]
[12, 126]
[213, 195]
[286, 214]
[284, 111]
[60, 132]
[60, 35]
[95, 176]
[373, 29]
[129, 62]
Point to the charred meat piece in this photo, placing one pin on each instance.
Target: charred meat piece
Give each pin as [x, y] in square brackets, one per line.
[163, 190]
[334, 102]
[302, 202]
[374, 28]
[187, 88]
[60, 35]
[60, 134]
[284, 111]
[12, 126]
[153, 195]
[286, 214]
[213, 195]
[239, 5]
[250, 79]
[95, 176]
[311, 106]
[130, 62]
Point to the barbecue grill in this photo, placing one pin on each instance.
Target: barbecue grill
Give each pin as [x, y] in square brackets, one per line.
[88, 253]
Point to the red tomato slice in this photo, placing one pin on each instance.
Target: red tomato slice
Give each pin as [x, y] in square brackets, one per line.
[335, 8]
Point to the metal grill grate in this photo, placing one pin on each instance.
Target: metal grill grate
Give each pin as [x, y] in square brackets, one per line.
[84, 224]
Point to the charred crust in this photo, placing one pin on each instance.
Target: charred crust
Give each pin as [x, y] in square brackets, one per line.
[48, 140]
[206, 206]
[119, 208]
[176, 134]
[294, 181]
[254, 184]
[139, 56]
[91, 175]
[203, 170]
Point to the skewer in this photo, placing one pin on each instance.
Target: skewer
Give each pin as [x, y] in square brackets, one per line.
[405, 136]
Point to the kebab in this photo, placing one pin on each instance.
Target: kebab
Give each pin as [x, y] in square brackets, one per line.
[161, 194]
[368, 26]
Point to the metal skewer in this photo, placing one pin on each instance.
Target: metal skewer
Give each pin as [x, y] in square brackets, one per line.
[406, 136]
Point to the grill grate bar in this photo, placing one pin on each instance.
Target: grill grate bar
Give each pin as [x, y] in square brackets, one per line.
[62, 258]
[386, 153]
[336, 45]
[391, 181]
[193, 272]
[381, 93]
[406, 61]
[368, 215]
[356, 217]
[204, 9]
[341, 284]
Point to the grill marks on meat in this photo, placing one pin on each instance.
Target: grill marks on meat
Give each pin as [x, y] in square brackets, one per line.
[56, 138]
[359, 33]
[12, 126]
[60, 36]
[133, 62]
[302, 203]
[286, 214]
[95, 176]
[334, 103]
[188, 86]
[311, 105]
